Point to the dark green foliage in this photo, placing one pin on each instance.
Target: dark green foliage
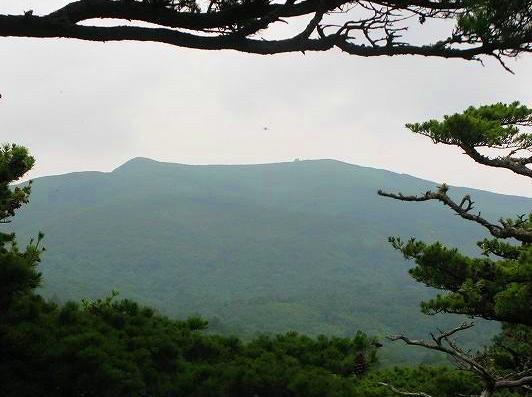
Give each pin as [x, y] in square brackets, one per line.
[494, 126]
[491, 289]
[511, 350]
[495, 21]
[118, 348]
[435, 381]
[14, 163]
[18, 272]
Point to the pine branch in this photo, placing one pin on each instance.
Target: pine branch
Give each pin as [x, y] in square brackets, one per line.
[230, 25]
[463, 209]
[444, 344]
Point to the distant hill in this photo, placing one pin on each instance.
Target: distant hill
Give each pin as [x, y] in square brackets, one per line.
[254, 248]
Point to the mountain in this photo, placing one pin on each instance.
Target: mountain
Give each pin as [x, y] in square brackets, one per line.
[254, 248]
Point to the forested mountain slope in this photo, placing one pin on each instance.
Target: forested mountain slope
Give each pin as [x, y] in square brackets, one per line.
[253, 248]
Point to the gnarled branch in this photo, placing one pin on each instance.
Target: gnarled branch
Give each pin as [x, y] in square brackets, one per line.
[463, 209]
[516, 165]
[404, 393]
[443, 343]
[371, 28]
[504, 230]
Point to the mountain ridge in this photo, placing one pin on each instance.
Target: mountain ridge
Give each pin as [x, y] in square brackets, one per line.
[141, 160]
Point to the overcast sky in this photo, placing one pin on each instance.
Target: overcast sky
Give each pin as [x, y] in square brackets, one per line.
[92, 106]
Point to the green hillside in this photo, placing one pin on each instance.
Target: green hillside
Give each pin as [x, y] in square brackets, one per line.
[254, 248]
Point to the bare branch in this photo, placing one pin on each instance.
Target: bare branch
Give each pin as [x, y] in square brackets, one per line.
[452, 350]
[504, 230]
[516, 165]
[489, 377]
[526, 380]
[445, 334]
[404, 393]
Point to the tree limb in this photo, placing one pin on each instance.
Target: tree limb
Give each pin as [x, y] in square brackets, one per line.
[499, 231]
[450, 349]
[229, 24]
[404, 393]
[516, 165]
[526, 380]
[489, 378]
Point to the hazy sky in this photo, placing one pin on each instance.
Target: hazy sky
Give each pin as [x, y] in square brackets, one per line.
[92, 106]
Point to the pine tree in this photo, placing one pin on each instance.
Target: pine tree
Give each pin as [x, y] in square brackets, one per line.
[17, 267]
[498, 284]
